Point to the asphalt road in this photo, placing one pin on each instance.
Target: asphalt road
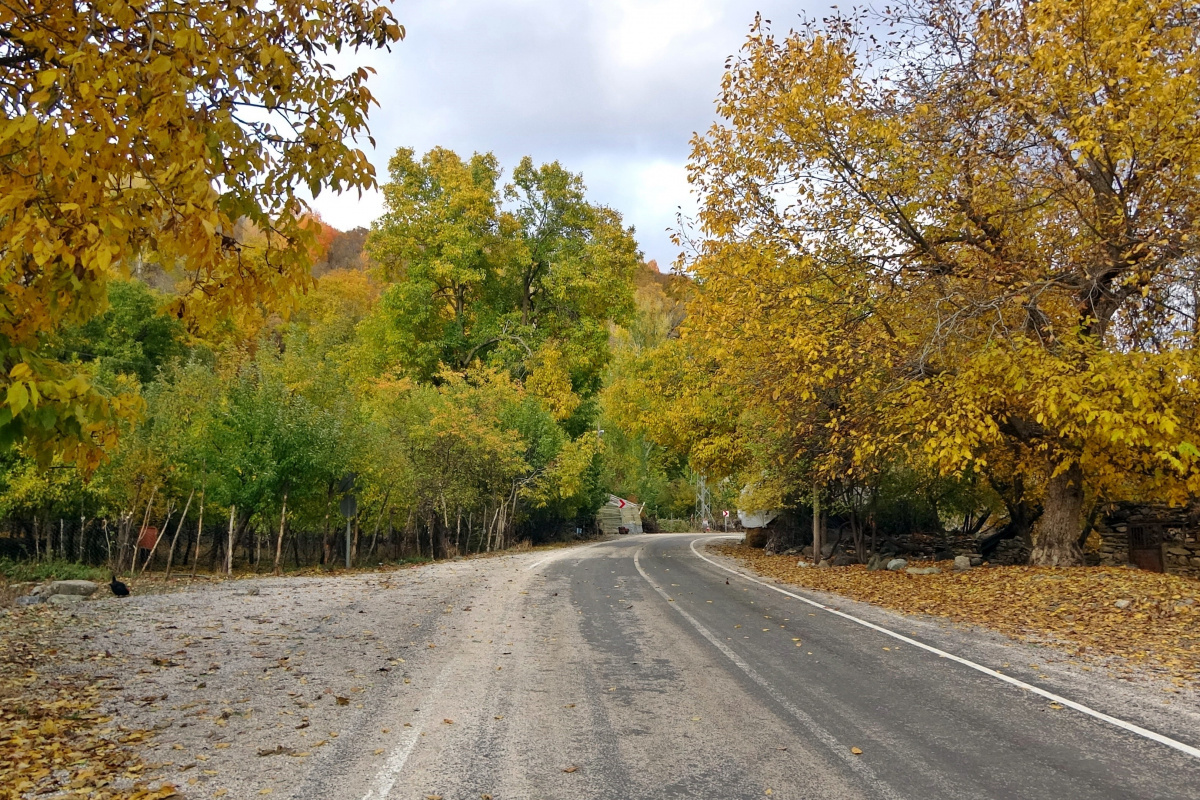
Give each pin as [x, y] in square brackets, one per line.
[635, 669]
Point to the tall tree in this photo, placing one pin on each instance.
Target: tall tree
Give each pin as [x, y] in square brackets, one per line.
[438, 241]
[972, 239]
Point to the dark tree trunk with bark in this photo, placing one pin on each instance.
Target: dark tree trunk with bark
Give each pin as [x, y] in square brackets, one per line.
[1056, 535]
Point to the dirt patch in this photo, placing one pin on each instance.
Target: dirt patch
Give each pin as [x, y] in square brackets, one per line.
[1145, 620]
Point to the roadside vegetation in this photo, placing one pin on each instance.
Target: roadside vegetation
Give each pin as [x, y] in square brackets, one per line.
[221, 381]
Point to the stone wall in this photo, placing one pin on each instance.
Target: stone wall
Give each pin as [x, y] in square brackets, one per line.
[1180, 528]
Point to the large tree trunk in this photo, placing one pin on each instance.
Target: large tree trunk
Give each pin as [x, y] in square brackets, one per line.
[1056, 534]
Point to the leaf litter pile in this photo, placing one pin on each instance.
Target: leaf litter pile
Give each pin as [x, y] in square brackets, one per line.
[53, 742]
[1143, 619]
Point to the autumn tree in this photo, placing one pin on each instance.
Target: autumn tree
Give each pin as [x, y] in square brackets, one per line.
[966, 233]
[437, 243]
[527, 276]
[144, 131]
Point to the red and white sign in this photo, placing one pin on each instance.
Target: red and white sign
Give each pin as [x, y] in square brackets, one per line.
[613, 500]
[725, 514]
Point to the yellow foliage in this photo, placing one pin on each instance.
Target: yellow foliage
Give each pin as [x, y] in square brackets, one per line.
[149, 131]
[972, 247]
[550, 381]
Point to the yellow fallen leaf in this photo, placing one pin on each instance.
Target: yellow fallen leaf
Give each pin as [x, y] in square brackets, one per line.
[856, 751]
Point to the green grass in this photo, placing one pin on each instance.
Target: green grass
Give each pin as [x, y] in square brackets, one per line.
[57, 570]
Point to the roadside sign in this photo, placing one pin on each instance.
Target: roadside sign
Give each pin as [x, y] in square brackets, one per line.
[349, 506]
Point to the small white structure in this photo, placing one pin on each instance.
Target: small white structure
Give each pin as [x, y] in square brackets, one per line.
[753, 518]
[619, 513]
[756, 519]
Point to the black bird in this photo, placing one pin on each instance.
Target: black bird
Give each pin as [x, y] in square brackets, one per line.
[118, 588]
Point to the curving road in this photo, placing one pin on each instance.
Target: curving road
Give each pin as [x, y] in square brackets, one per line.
[643, 668]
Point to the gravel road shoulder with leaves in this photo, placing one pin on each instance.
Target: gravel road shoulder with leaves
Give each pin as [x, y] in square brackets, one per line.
[246, 685]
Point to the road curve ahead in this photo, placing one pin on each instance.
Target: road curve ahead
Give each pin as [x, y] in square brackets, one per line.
[637, 669]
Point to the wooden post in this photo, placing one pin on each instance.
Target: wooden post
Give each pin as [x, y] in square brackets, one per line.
[178, 527]
[199, 533]
[279, 539]
[816, 524]
[229, 544]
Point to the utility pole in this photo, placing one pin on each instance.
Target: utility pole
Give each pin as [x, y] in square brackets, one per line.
[703, 500]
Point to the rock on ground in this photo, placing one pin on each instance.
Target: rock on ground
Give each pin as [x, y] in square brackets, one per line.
[78, 588]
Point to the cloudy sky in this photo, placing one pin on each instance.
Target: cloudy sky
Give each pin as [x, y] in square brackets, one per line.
[611, 88]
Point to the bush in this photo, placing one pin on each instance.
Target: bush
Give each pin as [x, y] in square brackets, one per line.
[674, 526]
[57, 570]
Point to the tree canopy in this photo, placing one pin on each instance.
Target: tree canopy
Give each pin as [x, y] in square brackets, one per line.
[963, 236]
[146, 131]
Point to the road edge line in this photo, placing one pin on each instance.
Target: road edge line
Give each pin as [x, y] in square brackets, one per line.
[1130, 727]
[564, 551]
[386, 777]
[825, 737]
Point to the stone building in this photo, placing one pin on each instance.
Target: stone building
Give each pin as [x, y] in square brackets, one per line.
[1157, 538]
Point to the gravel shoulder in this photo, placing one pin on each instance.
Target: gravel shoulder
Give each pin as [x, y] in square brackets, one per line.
[252, 686]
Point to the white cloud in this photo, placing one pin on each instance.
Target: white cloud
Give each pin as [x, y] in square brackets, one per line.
[611, 88]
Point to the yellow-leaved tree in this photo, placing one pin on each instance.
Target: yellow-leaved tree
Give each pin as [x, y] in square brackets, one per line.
[965, 233]
[146, 131]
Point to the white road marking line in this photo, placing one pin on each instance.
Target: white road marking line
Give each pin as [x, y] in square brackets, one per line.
[1091, 712]
[565, 552]
[855, 763]
[386, 779]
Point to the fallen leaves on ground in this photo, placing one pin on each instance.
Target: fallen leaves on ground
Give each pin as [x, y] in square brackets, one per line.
[1073, 608]
[52, 739]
